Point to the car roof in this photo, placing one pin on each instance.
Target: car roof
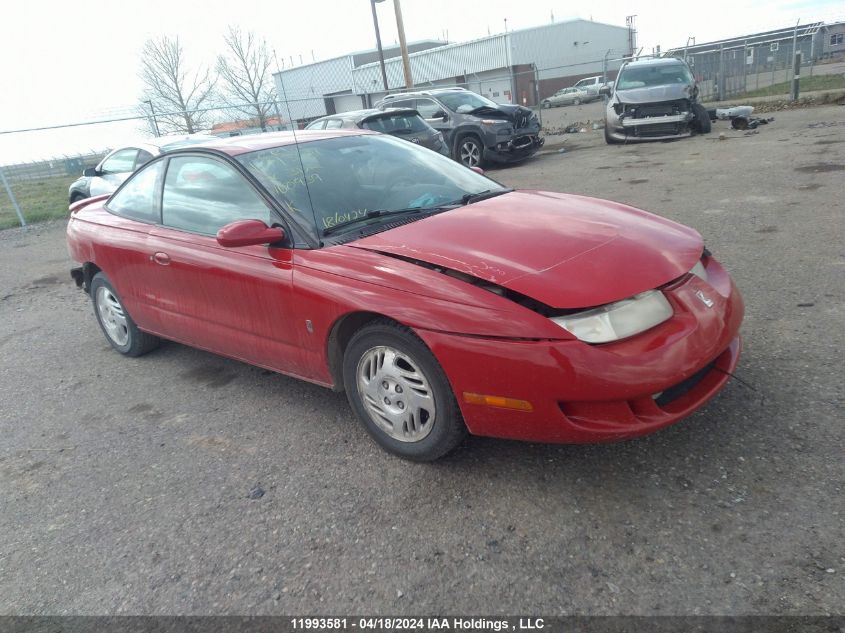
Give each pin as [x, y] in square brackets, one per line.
[236, 145]
[657, 61]
[432, 92]
[362, 115]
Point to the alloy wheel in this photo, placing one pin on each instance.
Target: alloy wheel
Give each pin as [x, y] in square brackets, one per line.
[470, 153]
[112, 316]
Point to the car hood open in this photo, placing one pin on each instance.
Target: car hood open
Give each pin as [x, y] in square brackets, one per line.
[563, 250]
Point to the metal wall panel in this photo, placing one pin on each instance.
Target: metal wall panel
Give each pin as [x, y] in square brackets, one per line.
[570, 48]
[301, 89]
[437, 65]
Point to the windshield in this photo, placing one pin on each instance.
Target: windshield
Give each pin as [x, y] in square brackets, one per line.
[658, 75]
[402, 123]
[465, 101]
[337, 180]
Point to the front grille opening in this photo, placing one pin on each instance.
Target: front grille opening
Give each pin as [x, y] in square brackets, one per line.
[684, 387]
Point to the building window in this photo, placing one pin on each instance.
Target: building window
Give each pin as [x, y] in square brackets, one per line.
[773, 46]
[837, 39]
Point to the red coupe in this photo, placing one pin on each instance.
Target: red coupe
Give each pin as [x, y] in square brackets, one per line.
[439, 300]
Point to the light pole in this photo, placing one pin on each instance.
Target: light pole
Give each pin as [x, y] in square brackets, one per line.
[153, 113]
[406, 63]
[378, 42]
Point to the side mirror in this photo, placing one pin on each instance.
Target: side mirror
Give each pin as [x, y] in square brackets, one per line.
[478, 170]
[248, 233]
[89, 172]
[604, 91]
[440, 114]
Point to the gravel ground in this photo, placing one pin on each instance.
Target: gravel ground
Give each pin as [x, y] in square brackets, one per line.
[185, 483]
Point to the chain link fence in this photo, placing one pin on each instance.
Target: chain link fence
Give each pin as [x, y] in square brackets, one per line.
[38, 190]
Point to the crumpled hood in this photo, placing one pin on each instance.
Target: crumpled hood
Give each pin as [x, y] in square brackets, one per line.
[563, 250]
[518, 115]
[654, 94]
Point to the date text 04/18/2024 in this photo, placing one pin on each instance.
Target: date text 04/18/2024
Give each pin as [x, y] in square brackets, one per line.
[412, 623]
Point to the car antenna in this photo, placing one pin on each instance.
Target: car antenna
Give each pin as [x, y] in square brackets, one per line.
[295, 140]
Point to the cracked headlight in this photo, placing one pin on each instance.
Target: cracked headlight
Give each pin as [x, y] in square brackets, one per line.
[615, 321]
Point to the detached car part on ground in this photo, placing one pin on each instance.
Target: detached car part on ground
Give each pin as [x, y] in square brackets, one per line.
[477, 130]
[653, 100]
[441, 303]
[118, 164]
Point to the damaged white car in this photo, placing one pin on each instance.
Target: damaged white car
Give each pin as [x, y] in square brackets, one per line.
[653, 99]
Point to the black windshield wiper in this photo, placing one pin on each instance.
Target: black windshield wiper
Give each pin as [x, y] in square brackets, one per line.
[483, 195]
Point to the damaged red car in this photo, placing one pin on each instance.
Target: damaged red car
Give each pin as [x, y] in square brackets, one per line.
[440, 301]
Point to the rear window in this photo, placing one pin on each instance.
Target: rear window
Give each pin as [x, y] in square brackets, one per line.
[396, 124]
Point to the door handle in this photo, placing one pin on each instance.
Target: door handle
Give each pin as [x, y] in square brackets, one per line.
[160, 258]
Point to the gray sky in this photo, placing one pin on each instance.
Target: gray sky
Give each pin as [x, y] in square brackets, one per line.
[63, 62]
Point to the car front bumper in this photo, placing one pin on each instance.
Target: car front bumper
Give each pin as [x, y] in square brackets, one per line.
[582, 393]
[657, 128]
[515, 149]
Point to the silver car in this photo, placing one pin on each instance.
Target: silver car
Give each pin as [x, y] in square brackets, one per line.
[569, 96]
[653, 99]
[119, 164]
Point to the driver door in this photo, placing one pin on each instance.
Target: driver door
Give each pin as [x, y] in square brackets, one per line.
[233, 301]
[427, 109]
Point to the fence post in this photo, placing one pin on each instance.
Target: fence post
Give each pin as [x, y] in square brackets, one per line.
[12, 197]
[720, 87]
[537, 95]
[796, 76]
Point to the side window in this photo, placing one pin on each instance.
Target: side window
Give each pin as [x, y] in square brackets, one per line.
[427, 108]
[202, 195]
[144, 157]
[316, 125]
[120, 162]
[404, 103]
[137, 198]
[333, 124]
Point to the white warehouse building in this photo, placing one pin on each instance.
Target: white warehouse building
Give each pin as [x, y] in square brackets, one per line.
[521, 66]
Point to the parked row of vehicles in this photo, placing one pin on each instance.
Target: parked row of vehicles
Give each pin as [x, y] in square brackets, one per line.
[653, 99]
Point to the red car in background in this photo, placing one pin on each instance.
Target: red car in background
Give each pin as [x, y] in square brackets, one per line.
[439, 300]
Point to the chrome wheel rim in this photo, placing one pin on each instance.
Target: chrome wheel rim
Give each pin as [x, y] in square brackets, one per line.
[112, 316]
[396, 394]
[470, 153]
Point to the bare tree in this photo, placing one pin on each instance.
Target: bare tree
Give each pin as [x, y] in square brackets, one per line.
[247, 84]
[177, 93]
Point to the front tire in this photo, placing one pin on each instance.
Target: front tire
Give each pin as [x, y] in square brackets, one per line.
[576, 101]
[469, 151]
[119, 328]
[547, 104]
[702, 119]
[399, 392]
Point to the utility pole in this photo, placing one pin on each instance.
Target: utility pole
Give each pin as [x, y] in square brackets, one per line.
[153, 113]
[795, 69]
[378, 43]
[406, 63]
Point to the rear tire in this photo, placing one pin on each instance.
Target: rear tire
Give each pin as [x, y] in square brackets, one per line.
[701, 122]
[547, 104]
[119, 328]
[400, 394]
